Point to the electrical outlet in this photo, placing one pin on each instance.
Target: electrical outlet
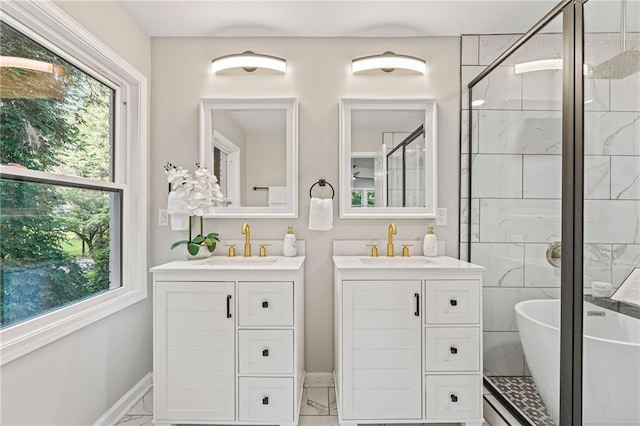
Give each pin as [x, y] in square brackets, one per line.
[441, 217]
[163, 218]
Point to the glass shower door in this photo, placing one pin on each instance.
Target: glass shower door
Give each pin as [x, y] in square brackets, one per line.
[611, 274]
[512, 206]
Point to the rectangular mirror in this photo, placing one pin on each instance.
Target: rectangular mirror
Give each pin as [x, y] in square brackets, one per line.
[388, 158]
[251, 145]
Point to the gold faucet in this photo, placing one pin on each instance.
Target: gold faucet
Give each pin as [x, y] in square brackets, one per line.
[246, 230]
[392, 230]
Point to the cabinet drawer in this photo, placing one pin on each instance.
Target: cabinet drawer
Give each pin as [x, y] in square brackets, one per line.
[453, 397]
[265, 351]
[452, 349]
[265, 303]
[452, 302]
[264, 399]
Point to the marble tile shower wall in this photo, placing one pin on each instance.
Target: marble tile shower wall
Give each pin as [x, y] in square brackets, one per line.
[516, 187]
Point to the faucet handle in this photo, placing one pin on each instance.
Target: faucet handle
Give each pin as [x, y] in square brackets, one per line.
[263, 249]
[405, 249]
[232, 250]
[374, 249]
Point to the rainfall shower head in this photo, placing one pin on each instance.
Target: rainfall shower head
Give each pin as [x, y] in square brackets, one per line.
[626, 63]
[620, 66]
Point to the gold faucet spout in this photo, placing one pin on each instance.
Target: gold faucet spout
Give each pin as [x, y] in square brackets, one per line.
[246, 230]
[392, 231]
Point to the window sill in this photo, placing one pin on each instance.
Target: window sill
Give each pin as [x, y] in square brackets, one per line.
[23, 338]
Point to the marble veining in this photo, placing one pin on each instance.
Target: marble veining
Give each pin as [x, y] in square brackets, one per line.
[520, 132]
[504, 263]
[315, 402]
[597, 174]
[611, 133]
[625, 178]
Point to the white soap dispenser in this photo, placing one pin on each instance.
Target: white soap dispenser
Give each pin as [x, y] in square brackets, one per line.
[290, 247]
[430, 246]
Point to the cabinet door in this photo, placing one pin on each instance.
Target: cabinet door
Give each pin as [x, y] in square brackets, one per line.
[194, 349]
[381, 337]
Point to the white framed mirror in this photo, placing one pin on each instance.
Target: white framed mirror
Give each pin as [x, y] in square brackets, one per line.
[388, 158]
[251, 145]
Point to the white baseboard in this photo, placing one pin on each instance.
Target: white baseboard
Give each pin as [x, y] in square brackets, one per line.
[124, 404]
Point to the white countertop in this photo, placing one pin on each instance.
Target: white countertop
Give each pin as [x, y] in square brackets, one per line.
[412, 263]
[223, 263]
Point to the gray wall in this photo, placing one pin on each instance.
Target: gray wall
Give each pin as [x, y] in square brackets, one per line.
[74, 380]
[318, 75]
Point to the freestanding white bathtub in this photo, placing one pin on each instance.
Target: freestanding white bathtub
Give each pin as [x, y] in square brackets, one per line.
[611, 360]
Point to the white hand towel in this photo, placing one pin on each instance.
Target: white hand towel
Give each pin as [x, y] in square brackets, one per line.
[176, 209]
[321, 214]
[277, 196]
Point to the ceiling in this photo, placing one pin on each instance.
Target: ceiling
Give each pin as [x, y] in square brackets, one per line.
[339, 18]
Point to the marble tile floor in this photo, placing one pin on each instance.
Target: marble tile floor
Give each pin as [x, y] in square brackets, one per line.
[319, 408]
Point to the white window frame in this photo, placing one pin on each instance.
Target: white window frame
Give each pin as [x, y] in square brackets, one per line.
[47, 24]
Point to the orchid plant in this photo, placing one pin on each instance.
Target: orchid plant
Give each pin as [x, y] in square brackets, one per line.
[200, 193]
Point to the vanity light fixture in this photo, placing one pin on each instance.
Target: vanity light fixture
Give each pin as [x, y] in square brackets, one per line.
[388, 62]
[248, 61]
[477, 103]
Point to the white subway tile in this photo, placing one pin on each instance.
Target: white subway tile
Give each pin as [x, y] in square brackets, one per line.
[612, 133]
[520, 132]
[597, 177]
[504, 263]
[470, 50]
[520, 220]
[496, 176]
[625, 178]
[612, 221]
[542, 176]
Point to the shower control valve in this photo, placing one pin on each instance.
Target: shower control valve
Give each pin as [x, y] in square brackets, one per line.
[453, 350]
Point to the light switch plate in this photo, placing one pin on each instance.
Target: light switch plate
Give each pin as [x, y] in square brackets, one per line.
[441, 217]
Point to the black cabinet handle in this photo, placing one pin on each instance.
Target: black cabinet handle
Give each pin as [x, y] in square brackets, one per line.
[453, 350]
[265, 304]
[454, 398]
[228, 306]
[453, 302]
[265, 352]
[417, 312]
[265, 400]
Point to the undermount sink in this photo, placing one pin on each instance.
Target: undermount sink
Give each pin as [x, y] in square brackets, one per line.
[220, 260]
[395, 261]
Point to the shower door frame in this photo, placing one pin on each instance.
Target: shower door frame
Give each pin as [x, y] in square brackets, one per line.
[571, 291]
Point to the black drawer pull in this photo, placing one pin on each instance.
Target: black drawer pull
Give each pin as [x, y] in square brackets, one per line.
[265, 352]
[228, 306]
[265, 400]
[417, 312]
[453, 350]
[265, 304]
[454, 398]
[453, 302]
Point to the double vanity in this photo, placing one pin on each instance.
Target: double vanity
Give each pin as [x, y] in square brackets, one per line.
[229, 339]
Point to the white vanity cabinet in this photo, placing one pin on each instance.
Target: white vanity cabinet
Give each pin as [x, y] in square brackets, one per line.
[228, 341]
[408, 345]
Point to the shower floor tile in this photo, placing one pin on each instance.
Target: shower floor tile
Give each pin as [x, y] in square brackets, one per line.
[522, 392]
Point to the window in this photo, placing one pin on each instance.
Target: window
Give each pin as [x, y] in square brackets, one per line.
[72, 173]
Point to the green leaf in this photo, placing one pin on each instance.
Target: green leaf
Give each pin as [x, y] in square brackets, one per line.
[179, 243]
[198, 240]
[209, 241]
[213, 236]
[193, 249]
[212, 247]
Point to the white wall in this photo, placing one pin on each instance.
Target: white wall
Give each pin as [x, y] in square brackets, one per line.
[74, 380]
[318, 75]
